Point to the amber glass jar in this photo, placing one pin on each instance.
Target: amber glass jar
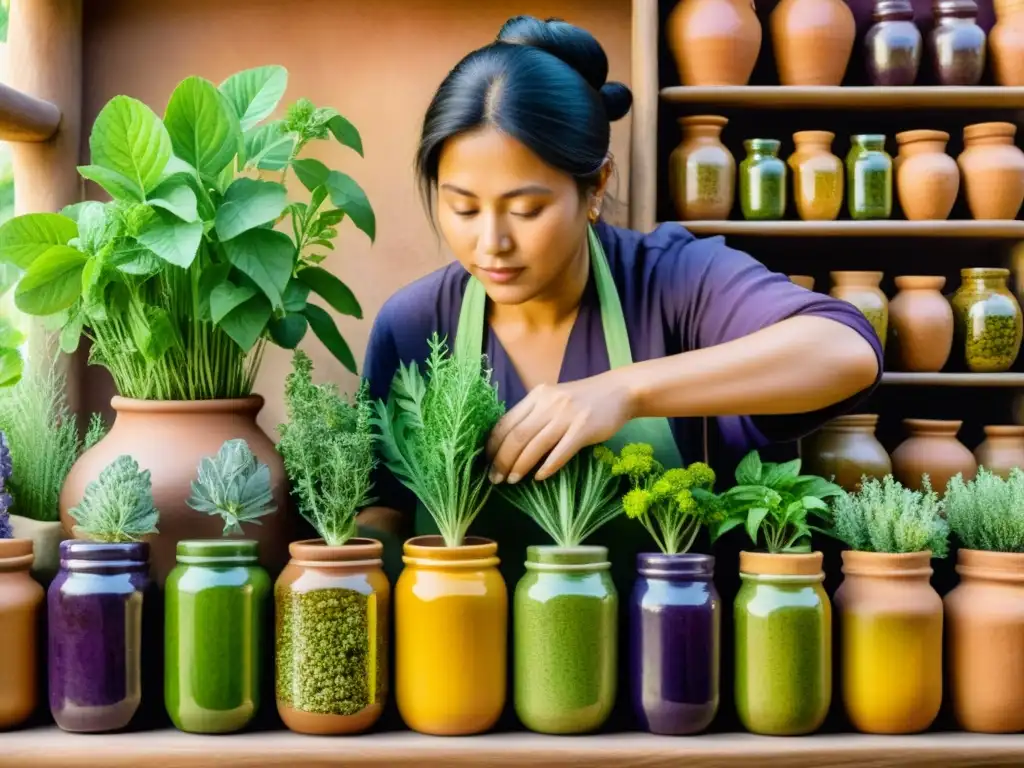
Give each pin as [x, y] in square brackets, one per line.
[988, 320]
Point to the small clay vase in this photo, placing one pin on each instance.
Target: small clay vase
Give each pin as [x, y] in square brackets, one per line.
[927, 179]
[993, 170]
[813, 40]
[714, 42]
[957, 43]
[702, 172]
[1002, 449]
[1006, 43]
[846, 450]
[892, 47]
[920, 324]
[21, 604]
[804, 281]
[932, 449]
[817, 176]
[861, 289]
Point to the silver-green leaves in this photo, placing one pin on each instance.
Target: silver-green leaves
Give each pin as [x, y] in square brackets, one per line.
[234, 485]
[118, 506]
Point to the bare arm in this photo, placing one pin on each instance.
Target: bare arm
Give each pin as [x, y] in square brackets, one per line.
[385, 520]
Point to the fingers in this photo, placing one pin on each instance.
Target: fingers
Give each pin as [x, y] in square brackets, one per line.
[535, 450]
[506, 424]
[571, 442]
[514, 443]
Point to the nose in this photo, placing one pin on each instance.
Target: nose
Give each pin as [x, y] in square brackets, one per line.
[494, 237]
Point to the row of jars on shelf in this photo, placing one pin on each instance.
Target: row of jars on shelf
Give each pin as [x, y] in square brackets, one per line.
[717, 42]
[702, 174]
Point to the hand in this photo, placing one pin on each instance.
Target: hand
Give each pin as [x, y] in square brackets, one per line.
[557, 420]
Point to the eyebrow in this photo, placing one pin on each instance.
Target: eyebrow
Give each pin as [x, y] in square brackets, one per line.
[533, 189]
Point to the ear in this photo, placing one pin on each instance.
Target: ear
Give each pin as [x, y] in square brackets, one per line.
[597, 195]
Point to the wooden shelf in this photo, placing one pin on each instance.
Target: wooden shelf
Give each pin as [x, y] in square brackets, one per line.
[954, 379]
[994, 229]
[857, 97]
[51, 748]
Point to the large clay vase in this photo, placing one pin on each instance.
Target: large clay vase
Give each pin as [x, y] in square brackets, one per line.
[1006, 43]
[933, 449]
[813, 40]
[993, 170]
[861, 289]
[804, 281]
[701, 171]
[845, 449]
[714, 42]
[1002, 449]
[927, 179]
[817, 176]
[170, 438]
[21, 604]
[920, 324]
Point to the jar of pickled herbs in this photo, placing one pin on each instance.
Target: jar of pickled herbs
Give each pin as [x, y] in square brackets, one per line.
[869, 178]
[762, 181]
[988, 320]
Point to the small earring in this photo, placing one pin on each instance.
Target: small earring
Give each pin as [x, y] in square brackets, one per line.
[594, 215]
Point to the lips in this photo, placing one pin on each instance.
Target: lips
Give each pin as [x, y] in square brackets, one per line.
[501, 275]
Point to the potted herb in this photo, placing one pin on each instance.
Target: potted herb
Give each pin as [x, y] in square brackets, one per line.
[216, 601]
[432, 434]
[675, 612]
[95, 603]
[890, 617]
[985, 611]
[333, 599]
[183, 279]
[783, 683]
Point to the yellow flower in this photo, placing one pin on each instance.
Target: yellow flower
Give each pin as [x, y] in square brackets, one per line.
[604, 455]
[701, 475]
[636, 503]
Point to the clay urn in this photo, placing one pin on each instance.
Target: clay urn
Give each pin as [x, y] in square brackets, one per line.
[846, 450]
[1006, 43]
[927, 179]
[818, 179]
[993, 170]
[804, 281]
[933, 449]
[701, 171]
[813, 40]
[920, 324]
[1002, 449]
[861, 289]
[714, 42]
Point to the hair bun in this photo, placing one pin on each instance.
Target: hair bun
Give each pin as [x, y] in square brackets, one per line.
[617, 100]
[573, 45]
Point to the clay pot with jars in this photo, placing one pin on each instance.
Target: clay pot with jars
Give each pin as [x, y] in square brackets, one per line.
[988, 324]
[920, 324]
[812, 40]
[861, 289]
[846, 450]
[701, 171]
[1006, 43]
[762, 181]
[804, 281]
[714, 42]
[817, 176]
[892, 46]
[932, 449]
[868, 178]
[927, 179]
[993, 170]
[1002, 450]
[21, 605]
[957, 43]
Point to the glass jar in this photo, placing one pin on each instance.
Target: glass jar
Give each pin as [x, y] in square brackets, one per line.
[675, 629]
[95, 606]
[215, 603]
[21, 599]
[892, 46]
[762, 181]
[333, 606]
[988, 320]
[957, 43]
[702, 171]
[869, 178]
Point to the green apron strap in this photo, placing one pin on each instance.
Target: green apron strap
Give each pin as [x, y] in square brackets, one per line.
[613, 319]
[469, 336]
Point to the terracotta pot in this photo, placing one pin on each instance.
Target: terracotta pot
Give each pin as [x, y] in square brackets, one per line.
[1002, 449]
[169, 438]
[817, 176]
[861, 289]
[920, 324]
[993, 170]
[927, 179]
[813, 40]
[714, 42]
[892, 46]
[1006, 43]
[985, 617]
[702, 172]
[846, 449]
[21, 601]
[804, 281]
[932, 449]
[890, 622]
[46, 537]
[989, 324]
[957, 43]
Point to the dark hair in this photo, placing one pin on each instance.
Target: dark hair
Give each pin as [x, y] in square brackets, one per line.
[544, 83]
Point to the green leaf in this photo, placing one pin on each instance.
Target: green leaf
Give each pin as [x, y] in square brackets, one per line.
[203, 126]
[212, 276]
[312, 173]
[337, 294]
[97, 226]
[330, 218]
[71, 334]
[129, 139]
[9, 275]
[248, 204]
[325, 329]
[289, 330]
[226, 297]
[812, 502]
[295, 296]
[175, 194]
[246, 322]
[266, 256]
[268, 147]
[725, 526]
[154, 334]
[173, 240]
[345, 133]
[778, 472]
[72, 211]
[347, 195]
[133, 258]
[11, 367]
[24, 239]
[748, 471]
[117, 186]
[52, 283]
[255, 93]
[755, 515]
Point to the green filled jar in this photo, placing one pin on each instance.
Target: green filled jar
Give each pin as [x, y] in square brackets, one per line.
[762, 181]
[988, 320]
[565, 621]
[215, 604]
[783, 626]
[868, 177]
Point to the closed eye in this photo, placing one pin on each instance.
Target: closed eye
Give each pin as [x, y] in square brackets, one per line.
[528, 214]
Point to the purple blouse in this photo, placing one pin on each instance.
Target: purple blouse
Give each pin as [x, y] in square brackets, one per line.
[678, 293]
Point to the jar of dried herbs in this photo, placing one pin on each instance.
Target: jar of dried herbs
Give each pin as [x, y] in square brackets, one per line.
[988, 320]
[762, 181]
[869, 178]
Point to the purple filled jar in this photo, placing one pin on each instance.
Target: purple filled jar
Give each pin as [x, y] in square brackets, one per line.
[675, 625]
[95, 629]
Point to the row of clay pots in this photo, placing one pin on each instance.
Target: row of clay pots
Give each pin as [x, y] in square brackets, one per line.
[702, 172]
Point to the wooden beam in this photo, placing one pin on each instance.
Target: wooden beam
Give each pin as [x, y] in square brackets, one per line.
[26, 118]
[643, 150]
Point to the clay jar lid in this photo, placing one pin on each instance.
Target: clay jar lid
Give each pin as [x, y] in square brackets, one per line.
[15, 554]
[943, 427]
[355, 551]
[921, 134]
[767, 564]
[716, 120]
[989, 130]
[920, 282]
[855, 277]
[813, 137]
[431, 552]
[907, 565]
[993, 566]
[852, 422]
[1004, 430]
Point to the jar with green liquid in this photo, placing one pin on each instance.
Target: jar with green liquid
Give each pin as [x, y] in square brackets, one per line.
[868, 178]
[762, 181]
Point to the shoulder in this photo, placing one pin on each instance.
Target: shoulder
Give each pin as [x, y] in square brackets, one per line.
[669, 250]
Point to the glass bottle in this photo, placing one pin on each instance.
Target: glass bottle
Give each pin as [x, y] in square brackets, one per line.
[762, 181]
[957, 43]
[988, 320]
[869, 178]
[892, 47]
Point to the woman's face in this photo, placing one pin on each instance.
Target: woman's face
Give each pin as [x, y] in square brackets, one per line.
[515, 223]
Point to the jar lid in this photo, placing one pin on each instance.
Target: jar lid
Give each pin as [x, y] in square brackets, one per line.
[956, 8]
[217, 551]
[762, 145]
[869, 139]
[581, 558]
[687, 565]
[893, 10]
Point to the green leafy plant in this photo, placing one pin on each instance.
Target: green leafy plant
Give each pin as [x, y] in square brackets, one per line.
[11, 363]
[328, 448]
[987, 512]
[772, 502]
[181, 280]
[235, 485]
[118, 506]
[883, 516]
[432, 434]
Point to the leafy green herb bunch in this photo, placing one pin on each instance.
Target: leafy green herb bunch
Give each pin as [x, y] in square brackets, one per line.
[118, 506]
[233, 485]
[987, 512]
